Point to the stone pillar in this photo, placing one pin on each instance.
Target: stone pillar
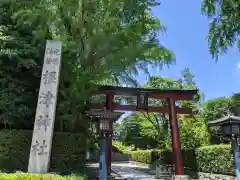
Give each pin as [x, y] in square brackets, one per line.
[40, 151]
[176, 145]
[102, 162]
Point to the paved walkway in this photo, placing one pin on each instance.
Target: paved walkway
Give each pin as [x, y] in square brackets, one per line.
[131, 171]
[92, 172]
[125, 171]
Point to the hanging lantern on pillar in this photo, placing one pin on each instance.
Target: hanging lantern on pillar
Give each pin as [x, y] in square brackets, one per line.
[105, 125]
[142, 100]
[104, 119]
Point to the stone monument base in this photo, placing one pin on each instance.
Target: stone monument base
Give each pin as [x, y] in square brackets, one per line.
[180, 177]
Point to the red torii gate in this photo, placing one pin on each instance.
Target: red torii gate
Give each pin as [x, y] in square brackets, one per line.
[143, 96]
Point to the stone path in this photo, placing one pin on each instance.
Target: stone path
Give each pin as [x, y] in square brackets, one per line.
[131, 171]
[124, 171]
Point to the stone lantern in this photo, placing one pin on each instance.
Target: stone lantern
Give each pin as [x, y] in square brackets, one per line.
[229, 127]
[105, 119]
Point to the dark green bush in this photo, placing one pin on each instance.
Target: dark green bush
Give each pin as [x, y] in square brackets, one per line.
[211, 159]
[68, 151]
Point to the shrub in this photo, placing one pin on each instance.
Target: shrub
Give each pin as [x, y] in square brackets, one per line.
[144, 156]
[122, 148]
[68, 151]
[211, 159]
[215, 159]
[26, 176]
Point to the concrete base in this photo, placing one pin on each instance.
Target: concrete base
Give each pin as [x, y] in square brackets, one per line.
[108, 178]
[180, 177]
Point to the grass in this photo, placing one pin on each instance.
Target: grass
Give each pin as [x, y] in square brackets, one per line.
[28, 176]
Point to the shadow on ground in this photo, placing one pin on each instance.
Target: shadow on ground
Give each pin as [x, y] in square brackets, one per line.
[92, 172]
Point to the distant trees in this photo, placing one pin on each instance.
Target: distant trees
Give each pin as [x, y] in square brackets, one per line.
[152, 130]
[216, 108]
[103, 43]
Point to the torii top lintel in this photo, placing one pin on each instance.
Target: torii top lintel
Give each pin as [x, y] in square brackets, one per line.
[152, 93]
[142, 99]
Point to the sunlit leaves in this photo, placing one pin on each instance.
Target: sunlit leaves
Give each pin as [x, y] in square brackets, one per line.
[153, 128]
[224, 25]
[216, 108]
[110, 37]
[193, 132]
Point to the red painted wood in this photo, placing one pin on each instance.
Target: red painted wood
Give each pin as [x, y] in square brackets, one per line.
[109, 106]
[110, 101]
[176, 145]
[173, 95]
[153, 93]
[179, 110]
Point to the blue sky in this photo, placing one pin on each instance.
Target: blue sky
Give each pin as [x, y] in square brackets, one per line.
[186, 36]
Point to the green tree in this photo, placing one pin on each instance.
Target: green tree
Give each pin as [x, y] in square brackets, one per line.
[224, 24]
[216, 108]
[137, 131]
[160, 121]
[130, 131]
[112, 39]
[236, 104]
[102, 43]
[20, 68]
[193, 132]
[154, 127]
[116, 131]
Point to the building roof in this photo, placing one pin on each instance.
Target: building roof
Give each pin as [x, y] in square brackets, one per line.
[225, 120]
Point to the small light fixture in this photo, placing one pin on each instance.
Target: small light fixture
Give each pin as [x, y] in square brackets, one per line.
[142, 100]
[105, 125]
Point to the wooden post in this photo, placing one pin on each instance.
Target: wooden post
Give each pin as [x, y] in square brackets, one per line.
[40, 151]
[176, 145]
[109, 106]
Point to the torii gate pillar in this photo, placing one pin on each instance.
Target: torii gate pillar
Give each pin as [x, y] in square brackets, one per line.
[176, 145]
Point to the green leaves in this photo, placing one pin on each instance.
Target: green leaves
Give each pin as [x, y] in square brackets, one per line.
[104, 42]
[109, 37]
[216, 108]
[224, 26]
[153, 128]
